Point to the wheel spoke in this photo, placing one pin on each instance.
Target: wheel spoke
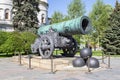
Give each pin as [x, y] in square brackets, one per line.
[46, 47]
[71, 51]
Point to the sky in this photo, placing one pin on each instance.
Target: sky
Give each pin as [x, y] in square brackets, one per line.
[61, 5]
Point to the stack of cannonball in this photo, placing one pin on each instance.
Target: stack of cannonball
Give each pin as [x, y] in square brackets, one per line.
[86, 59]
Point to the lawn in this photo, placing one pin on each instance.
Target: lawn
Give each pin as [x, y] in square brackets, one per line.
[58, 52]
[3, 55]
[97, 53]
[94, 53]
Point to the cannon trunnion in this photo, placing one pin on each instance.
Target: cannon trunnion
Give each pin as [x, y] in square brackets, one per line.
[60, 36]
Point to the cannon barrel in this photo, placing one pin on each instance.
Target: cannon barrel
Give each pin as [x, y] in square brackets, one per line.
[81, 25]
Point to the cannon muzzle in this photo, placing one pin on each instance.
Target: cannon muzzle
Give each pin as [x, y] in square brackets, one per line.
[81, 25]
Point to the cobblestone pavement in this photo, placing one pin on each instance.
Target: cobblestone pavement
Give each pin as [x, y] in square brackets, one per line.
[10, 70]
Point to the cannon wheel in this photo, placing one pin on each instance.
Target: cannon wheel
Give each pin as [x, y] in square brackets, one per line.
[71, 51]
[46, 46]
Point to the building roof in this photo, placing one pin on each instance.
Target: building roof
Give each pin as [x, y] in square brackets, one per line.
[46, 1]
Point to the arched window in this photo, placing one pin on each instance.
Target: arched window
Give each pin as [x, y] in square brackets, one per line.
[7, 13]
[42, 18]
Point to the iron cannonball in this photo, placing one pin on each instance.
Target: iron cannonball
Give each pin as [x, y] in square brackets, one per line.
[78, 62]
[93, 62]
[85, 53]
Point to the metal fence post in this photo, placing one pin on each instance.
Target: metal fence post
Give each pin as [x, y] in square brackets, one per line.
[109, 61]
[29, 57]
[20, 59]
[52, 65]
[103, 58]
[89, 65]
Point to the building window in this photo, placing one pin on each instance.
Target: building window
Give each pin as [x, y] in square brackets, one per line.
[42, 18]
[7, 14]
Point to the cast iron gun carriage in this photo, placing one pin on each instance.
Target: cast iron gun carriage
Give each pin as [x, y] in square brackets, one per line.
[59, 35]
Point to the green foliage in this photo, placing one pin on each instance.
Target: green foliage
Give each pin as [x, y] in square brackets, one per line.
[16, 41]
[111, 39]
[3, 37]
[76, 9]
[97, 53]
[66, 18]
[28, 39]
[4, 55]
[13, 43]
[25, 15]
[57, 17]
[99, 17]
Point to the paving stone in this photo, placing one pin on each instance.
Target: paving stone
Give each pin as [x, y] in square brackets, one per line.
[10, 70]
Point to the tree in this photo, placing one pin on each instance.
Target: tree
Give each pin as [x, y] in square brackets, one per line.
[25, 15]
[99, 17]
[3, 37]
[66, 18]
[28, 39]
[17, 41]
[13, 43]
[57, 17]
[111, 39]
[76, 9]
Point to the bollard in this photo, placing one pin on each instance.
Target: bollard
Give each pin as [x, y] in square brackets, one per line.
[103, 58]
[89, 65]
[109, 61]
[29, 57]
[52, 65]
[19, 58]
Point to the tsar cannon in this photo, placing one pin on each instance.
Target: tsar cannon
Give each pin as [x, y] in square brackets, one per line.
[59, 35]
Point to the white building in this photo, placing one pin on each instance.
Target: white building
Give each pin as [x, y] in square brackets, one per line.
[6, 14]
[43, 14]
